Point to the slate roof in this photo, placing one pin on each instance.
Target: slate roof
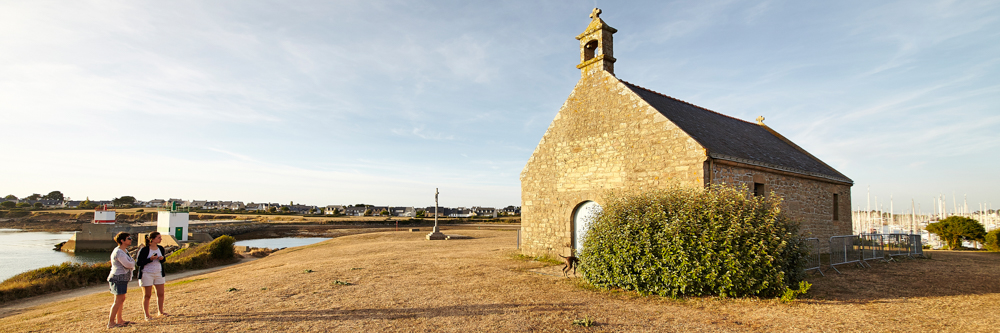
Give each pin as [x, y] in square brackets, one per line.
[728, 138]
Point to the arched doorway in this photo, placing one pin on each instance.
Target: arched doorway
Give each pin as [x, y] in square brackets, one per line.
[583, 216]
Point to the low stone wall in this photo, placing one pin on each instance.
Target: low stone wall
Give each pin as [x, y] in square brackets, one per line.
[99, 237]
[74, 246]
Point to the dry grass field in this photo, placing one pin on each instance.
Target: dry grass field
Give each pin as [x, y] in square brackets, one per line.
[397, 281]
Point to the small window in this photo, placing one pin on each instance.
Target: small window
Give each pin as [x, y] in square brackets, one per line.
[758, 190]
[836, 207]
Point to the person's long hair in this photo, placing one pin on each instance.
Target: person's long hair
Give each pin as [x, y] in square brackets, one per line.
[151, 236]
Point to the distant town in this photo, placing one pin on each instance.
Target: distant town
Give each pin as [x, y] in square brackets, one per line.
[55, 200]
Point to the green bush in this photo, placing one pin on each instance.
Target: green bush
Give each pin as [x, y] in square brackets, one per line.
[720, 241]
[791, 294]
[218, 252]
[222, 248]
[993, 240]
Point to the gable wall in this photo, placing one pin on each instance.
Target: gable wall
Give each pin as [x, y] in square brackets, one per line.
[807, 201]
[604, 137]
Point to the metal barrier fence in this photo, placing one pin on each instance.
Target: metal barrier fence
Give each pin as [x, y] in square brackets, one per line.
[916, 245]
[860, 249]
[897, 245]
[845, 250]
[814, 261]
[871, 247]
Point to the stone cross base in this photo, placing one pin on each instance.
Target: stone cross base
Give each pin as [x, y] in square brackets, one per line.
[436, 234]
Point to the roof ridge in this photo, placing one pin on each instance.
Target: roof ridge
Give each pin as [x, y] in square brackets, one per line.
[685, 102]
[796, 146]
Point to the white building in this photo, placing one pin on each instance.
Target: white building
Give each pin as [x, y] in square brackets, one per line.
[173, 222]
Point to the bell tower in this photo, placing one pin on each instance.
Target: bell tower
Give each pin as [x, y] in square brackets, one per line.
[596, 48]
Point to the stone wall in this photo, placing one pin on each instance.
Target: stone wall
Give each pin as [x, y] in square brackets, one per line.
[604, 137]
[99, 237]
[808, 201]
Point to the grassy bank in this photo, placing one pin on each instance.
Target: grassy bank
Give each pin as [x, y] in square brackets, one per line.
[67, 276]
[53, 278]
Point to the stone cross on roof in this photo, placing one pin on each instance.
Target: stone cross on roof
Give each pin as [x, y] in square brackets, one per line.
[760, 120]
[596, 13]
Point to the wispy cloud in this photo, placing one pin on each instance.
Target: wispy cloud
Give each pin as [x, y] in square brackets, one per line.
[423, 133]
[377, 101]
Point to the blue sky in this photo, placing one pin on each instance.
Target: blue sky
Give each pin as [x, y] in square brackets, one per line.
[382, 101]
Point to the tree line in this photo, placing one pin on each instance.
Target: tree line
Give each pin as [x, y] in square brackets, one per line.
[125, 201]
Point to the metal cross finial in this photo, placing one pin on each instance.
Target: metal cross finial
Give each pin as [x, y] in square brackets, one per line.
[760, 120]
[596, 13]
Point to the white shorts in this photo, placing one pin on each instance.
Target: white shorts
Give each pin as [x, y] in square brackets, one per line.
[150, 279]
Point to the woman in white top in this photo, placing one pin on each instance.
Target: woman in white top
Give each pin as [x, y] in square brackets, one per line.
[121, 273]
[150, 260]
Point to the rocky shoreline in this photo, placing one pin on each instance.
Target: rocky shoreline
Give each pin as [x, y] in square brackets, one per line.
[232, 229]
[62, 220]
[41, 225]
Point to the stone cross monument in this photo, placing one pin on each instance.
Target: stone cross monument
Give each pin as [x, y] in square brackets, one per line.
[436, 233]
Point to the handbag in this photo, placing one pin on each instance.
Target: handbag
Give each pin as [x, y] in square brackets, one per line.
[126, 277]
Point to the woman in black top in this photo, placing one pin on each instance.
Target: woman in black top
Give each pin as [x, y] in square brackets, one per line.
[150, 260]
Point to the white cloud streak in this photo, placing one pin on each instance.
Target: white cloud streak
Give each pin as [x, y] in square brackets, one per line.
[378, 101]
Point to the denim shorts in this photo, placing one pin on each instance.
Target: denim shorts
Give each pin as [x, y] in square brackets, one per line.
[118, 288]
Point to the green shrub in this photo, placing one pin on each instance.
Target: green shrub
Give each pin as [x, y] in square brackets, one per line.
[585, 321]
[993, 240]
[719, 241]
[791, 294]
[222, 248]
[218, 252]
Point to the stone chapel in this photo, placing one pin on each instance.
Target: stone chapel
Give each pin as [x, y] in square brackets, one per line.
[612, 134]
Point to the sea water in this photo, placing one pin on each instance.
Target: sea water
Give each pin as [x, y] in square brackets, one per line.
[275, 243]
[22, 251]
